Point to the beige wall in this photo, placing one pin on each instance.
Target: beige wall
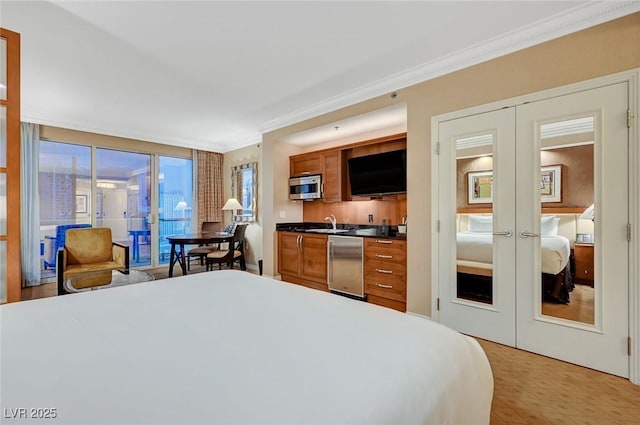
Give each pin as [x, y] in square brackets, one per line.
[601, 50]
[130, 145]
[253, 235]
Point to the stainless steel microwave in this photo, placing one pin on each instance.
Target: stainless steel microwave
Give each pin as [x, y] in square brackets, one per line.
[307, 187]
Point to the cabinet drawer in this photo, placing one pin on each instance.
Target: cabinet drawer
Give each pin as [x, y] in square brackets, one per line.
[384, 246]
[372, 265]
[386, 255]
[391, 288]
[385, 302]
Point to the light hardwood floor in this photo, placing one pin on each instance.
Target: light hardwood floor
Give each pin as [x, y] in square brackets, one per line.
[530, 389]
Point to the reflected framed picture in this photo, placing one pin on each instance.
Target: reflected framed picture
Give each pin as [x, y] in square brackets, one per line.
[81, 204]
[480, 187]
[551, 183]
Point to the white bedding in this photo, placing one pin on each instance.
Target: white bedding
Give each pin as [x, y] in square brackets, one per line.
[478, 247]
[231, 347]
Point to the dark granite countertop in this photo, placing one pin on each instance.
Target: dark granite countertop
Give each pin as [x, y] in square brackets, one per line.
[343, 229]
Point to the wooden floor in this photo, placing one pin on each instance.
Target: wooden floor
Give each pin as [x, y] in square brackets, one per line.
[580, 308]
[529, 388]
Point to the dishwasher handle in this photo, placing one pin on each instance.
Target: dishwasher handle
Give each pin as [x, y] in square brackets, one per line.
[329, 261]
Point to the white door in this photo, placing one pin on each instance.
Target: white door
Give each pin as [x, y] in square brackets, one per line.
[477, 287]
[503, 177]
[600, 341]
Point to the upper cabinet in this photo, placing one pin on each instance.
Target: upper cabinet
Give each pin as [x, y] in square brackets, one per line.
[332, 164]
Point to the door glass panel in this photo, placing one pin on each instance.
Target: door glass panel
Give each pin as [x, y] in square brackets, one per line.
[3, 271]
[3, 203]
[566, 224]
[123, 200]
[65, 190]
[175, 201]
[3, 136]
[474, 218]
[3, 69]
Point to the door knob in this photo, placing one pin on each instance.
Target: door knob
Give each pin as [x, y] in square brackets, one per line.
[506, 233]
[525, 234]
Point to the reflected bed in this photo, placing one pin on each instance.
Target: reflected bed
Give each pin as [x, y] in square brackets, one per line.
[232, 347]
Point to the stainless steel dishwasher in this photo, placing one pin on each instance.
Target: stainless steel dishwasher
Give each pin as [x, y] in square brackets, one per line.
[345, 265]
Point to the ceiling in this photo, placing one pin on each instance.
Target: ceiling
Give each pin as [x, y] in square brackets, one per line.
[216, 75]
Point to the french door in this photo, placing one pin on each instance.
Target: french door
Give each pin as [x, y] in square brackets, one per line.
[516, 186]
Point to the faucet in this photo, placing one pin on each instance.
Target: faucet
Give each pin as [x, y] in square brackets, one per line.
[332, 219]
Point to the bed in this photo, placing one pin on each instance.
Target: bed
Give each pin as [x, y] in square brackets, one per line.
[474, 250]
[232, 347]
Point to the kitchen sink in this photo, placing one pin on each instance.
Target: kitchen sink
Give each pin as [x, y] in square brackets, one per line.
[332, 231]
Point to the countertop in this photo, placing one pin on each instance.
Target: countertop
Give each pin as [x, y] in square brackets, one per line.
[343, 230]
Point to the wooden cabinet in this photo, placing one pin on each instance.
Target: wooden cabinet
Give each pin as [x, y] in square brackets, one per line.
[385, 272]
[331, 164]
[583, 256]
[333, 176]
[302, 259]
[305, 164]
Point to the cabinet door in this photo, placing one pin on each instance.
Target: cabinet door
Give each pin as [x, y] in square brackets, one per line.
[332, 176]
[305, 164]
[288, 252]
[314, 258]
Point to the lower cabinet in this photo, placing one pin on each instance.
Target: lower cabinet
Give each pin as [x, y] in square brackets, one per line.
[385, 272]
[302, 259]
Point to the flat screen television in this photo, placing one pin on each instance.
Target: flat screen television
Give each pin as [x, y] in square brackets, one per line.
[378, 174]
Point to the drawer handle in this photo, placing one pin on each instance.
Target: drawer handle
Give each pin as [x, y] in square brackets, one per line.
[384, 271]
[383, 241]
[384, 286]
[389, 257]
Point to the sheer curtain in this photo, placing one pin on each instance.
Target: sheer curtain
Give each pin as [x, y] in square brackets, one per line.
[30, 203]
[210, 187]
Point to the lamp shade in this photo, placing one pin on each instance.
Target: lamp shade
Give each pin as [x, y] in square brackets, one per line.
[232, 204]
[588, 213]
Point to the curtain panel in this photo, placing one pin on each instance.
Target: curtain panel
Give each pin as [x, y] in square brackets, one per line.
[210, 187]
[29, 204]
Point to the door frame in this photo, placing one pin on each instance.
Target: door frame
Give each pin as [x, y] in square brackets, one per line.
[631, 77]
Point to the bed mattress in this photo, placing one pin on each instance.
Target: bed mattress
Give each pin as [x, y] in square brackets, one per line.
[232, 347]
[478, 247]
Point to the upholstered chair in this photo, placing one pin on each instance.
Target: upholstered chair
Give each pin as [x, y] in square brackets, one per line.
[235, 251]
[89, 250]
[202, 250]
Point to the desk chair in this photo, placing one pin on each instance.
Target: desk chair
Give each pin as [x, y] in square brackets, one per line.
[202, 250]
[235, 251]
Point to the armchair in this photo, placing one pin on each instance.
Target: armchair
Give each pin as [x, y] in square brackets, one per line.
[88, 250]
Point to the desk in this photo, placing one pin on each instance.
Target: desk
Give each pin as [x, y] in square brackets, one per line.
[136, 243]
[192, 239]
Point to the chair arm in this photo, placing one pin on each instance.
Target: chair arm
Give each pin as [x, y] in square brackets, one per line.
[61, 265]
[121, 254]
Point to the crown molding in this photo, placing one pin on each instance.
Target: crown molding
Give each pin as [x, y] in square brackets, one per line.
[573, 20]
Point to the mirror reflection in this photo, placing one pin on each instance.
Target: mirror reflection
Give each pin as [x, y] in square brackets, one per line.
[474, 218]
[567, 230]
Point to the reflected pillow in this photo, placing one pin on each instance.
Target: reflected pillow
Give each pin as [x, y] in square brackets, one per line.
[549, 225]
[481, 223]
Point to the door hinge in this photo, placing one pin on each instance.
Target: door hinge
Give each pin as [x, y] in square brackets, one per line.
[438, 304]
[438, 148]
[628, 232]
[629, 118]
[438, 226]
[629, 346]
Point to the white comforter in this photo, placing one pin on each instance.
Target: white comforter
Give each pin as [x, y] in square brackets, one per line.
[478, 247]
[231, 347]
